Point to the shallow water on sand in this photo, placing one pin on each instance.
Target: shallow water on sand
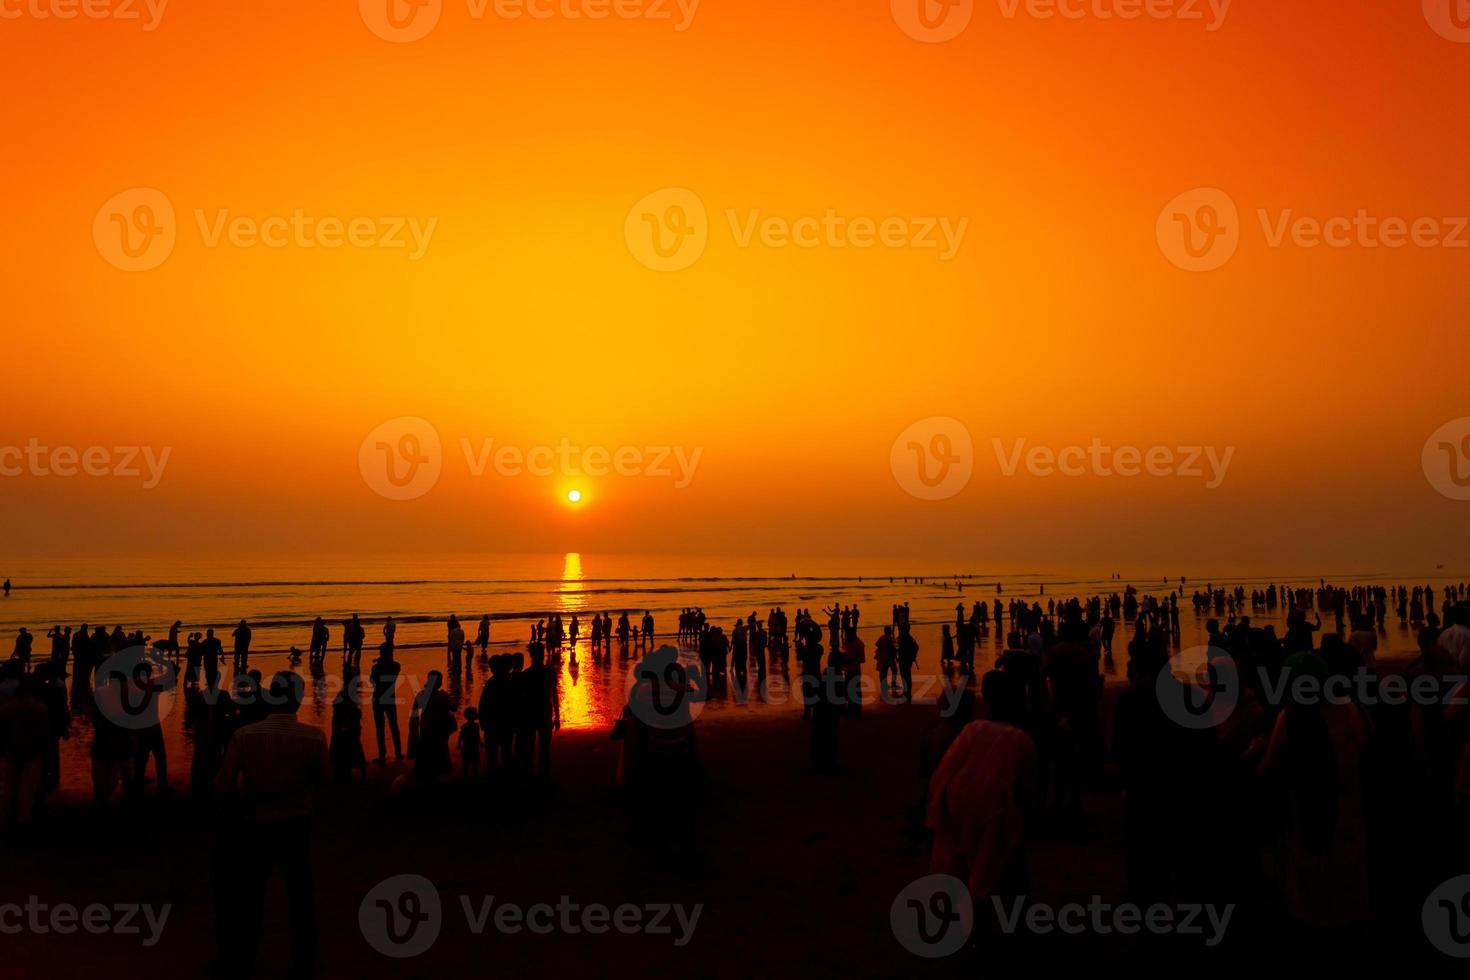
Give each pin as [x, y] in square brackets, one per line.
[280, 598]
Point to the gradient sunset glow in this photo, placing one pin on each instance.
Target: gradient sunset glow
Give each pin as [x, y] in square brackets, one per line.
[367, 230]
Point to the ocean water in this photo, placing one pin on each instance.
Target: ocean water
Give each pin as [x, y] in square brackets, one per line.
[280, 597]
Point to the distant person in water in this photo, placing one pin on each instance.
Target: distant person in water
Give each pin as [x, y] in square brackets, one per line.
[908, 655]
[242, 647]
[455, 645]
[354, 635]
[213, 651]
[22, 652]
[272, 768]
[7, 587]
[320, 637]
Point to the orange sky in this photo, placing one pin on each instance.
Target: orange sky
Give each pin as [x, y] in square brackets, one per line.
[528, 318]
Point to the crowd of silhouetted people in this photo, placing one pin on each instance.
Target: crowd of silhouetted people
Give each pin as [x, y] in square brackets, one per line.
[1303, 784]
[1323, 810]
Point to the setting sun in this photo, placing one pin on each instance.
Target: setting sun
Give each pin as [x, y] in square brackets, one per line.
[574, 496]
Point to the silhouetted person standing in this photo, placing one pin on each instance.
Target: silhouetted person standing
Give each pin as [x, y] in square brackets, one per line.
[24, 732]
[498, 714]
[272, 767]
[22, 653]
[242, 647]
[540, 715]
[346, 747]
[826, 709]
[213, 651]
[908, 655]
[384, 676]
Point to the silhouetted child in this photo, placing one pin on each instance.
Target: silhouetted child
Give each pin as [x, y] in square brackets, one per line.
[469, 744]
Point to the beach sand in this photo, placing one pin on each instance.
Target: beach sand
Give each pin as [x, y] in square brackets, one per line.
[797, 876]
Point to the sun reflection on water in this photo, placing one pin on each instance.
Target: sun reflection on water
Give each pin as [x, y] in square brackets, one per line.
[569, 593]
